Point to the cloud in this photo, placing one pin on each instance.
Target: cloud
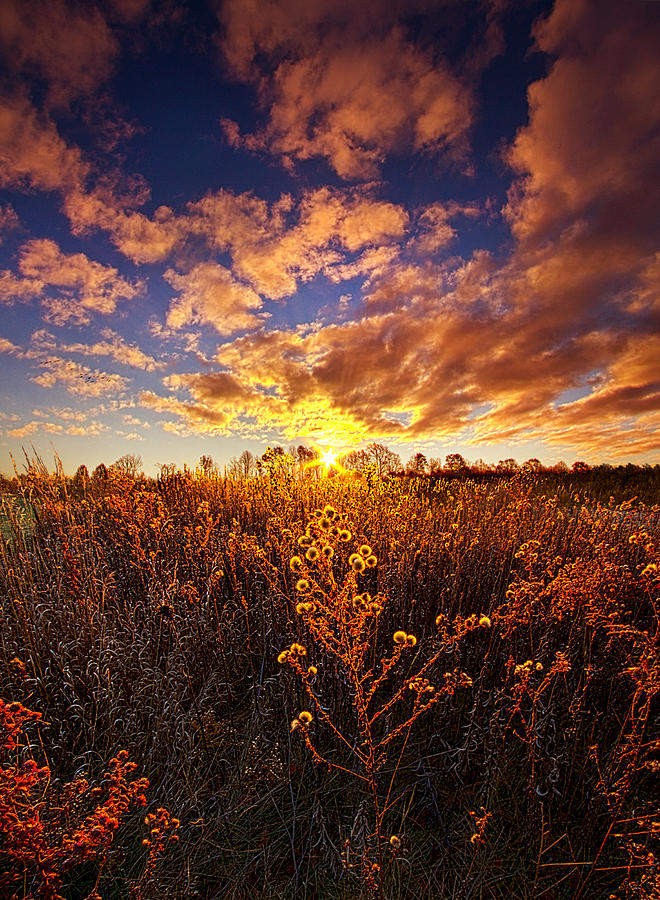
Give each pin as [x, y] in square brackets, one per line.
[140, 238]
[78, 379]
[209, 294]
[592, 144]
[18, 290]
[344, 84]
[36, 426]
[117, 349]
[276, 246]
[69, 47]
[9, 220]
[83, 284]
[434, 230]
[7, 346]
[32, 153]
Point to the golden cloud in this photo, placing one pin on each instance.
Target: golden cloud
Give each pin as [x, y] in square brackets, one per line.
[77, 379]
[209, 294]
[85, 285]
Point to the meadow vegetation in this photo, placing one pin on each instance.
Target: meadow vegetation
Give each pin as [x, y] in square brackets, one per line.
[284, 686]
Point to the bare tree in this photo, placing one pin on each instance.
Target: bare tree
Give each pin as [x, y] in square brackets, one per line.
[206, 464]
[130, 464]
[246, 464]
[383, 459]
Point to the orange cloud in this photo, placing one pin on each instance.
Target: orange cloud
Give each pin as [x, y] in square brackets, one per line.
[343, 83]
[276, 246]
[210, 295]
[32, 153]
[8, 219]
[139, 238]
[116, 348]
[77, 379]
[85, 285]
[69, 46]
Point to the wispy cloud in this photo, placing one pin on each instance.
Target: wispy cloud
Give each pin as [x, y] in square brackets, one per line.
[83, 285]
[78, 379]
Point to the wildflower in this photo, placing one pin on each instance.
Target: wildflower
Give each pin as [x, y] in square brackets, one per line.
[400, 637]
[357, 563]
[411, 640]
[371, 561]
[302, 585]
[327, 551]
[485, 622]
[312, 671]
[295, 724]
[365, 550]
[296, 564]
[305, 717]
[305, 540]
[344, 535]
[330, 512]
[539, 667]
[395, 842]
[298, 649]
[325, 523]
[312, 554]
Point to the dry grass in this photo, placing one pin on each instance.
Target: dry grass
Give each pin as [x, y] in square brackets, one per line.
[150, 616]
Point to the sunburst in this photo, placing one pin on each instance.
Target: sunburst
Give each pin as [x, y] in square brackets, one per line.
[328, 459]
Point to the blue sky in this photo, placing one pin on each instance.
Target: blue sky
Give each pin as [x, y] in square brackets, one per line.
[231, 224]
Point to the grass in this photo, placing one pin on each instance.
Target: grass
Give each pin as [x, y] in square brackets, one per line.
[149, 617]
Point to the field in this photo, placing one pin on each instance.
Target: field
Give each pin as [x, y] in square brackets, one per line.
[446, 689]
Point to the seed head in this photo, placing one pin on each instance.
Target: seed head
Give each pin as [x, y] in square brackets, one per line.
[296, 564]
[357, 563]
[325, 523]
[371, 561]
[283, 656]
[400, 637]
[312, 671]
[302, 585]
[305, 717]
[395, 842]
[365, 550]
[327, 551]
[411, 640]
[344, 535]
[485, 622]
[330, 512]
[312, 554]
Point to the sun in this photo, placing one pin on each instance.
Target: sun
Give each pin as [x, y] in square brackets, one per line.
[328, 458]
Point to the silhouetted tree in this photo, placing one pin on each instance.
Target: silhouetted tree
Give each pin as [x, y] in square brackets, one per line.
[508, 466]
[454, 462]
[580, 466]
[417, 464]
[206, 464]
[130, 464]
[383, 459]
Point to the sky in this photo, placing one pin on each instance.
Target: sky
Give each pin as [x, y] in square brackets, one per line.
[433, 224]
